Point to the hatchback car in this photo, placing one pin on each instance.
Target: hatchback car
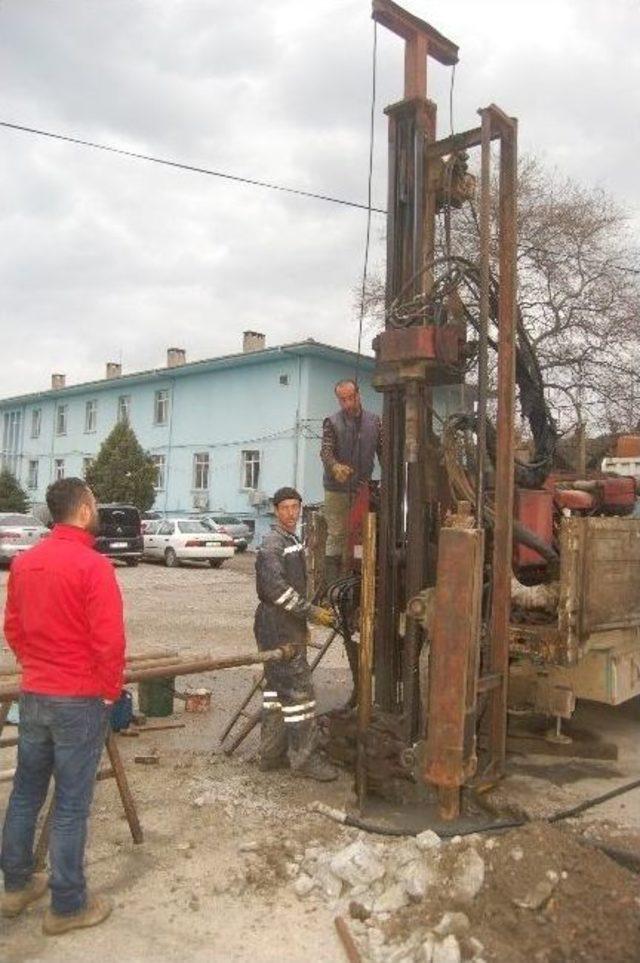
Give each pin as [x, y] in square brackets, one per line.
[18, 532]
[120, 533]
[176, 540]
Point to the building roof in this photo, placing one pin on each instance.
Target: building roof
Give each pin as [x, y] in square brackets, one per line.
[308, 348]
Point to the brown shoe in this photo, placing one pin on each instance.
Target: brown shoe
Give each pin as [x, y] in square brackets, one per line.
[13, 903]
[96, 910]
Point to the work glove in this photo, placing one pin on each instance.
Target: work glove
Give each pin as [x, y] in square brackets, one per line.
[321, 616]
[341, 473]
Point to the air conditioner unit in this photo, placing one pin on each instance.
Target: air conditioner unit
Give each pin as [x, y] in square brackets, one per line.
[258, 498]
[201, 500]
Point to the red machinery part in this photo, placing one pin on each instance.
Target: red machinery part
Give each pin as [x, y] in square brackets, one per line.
[574, 500]
[534, 510]
[618, 494]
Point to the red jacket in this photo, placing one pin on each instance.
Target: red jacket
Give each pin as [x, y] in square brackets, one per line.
[63, 617]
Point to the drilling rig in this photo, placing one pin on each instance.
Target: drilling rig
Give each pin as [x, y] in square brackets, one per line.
[477, 568]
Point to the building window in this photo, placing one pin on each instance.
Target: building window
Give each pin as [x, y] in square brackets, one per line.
[201, 471]
[87, 462]
[124, 409]
[91, 416]
[36, 422]
[160, 463]
[250, 469]
[58, 469]
[161, 407]
[32, 478]
[12, 422]
[61, 419]
[284, 379]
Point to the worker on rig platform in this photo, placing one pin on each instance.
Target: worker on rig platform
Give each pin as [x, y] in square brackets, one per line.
[289, 734]
[351, 438]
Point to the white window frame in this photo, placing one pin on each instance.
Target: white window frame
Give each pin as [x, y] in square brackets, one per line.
[251, 463]
[87, 462]
[11, 432]
[91, 416]
[124, 409]
[160, 463]
[32, 473]
[201, 470]
[58, 469]
[62, 412]
[36, 422]
[161, 407]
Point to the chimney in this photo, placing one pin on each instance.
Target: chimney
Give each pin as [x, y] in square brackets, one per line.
[114, 370]
[58, 381]
[253, 341]
[176, 357]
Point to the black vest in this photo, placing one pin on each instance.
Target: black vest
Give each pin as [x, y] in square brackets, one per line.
[356, 444]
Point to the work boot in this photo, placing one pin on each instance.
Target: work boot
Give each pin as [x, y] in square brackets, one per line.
[317, 768]
[96, 910]
[14, 902]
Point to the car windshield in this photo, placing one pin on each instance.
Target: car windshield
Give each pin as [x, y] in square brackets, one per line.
[191, 528]
[28, 520]
[210, 525]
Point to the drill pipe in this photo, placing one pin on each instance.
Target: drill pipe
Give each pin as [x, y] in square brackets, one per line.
[192, 667]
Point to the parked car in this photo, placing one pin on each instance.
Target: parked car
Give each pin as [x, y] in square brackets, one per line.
[147, 517]
[176, 540]
[239, 530]
[120, 533]
[18, 532]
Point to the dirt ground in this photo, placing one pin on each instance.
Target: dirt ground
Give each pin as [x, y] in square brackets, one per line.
[212, 880]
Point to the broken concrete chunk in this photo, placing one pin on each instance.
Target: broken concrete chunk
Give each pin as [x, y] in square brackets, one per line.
[357, 864]
[468, 876]
[537, 896]
[416, 878]
[428, 840]
[329, 883]
[452, 923]
[447, 952]
[400, 854]
[516, 854]
[303, 885]
[428, 946]
[250, 846]
[393, 899]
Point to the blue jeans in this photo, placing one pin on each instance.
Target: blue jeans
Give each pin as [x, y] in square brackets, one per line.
[61, 736]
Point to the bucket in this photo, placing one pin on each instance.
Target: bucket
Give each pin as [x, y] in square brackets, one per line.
[155, 697]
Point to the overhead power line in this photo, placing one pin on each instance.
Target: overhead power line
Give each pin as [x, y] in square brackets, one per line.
[189, 167]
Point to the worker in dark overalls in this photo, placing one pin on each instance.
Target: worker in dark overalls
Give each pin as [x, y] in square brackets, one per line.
[289, 734]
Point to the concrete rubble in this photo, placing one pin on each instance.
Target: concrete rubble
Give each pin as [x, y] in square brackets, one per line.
[371, 881]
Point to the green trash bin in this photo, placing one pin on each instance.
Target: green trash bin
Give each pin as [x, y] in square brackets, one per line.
[155, 697]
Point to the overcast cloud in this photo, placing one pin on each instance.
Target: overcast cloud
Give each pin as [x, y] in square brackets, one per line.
[107, 258]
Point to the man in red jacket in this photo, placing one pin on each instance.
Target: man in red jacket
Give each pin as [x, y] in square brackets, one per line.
[64, 621]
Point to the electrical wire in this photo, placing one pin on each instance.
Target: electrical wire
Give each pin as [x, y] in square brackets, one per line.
[192, 168]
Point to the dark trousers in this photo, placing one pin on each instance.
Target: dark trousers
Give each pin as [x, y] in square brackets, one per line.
[63, 737]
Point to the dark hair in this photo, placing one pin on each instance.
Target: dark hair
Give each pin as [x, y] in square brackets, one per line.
[65, 496]
[284, 493]
[346, 381]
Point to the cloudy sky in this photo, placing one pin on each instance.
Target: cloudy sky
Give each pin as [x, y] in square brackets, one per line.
[108, 258]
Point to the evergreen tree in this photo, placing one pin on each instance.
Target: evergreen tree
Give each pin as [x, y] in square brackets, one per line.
[13, 497]
[122, 471]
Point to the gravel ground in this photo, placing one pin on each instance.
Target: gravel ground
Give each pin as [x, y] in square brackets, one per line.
[194, 890]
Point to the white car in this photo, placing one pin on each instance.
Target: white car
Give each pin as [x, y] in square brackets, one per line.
[175, 540]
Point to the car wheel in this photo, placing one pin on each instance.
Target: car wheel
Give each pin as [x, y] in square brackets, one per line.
[170, 558]
[216, 562]
[241, 548]
[132, 562]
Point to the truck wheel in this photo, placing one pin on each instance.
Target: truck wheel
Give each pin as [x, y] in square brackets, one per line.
[170, 558]
[132, 562]
[216, 562]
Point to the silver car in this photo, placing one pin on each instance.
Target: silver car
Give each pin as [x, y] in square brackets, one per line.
[18, 532]
[239, 530]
